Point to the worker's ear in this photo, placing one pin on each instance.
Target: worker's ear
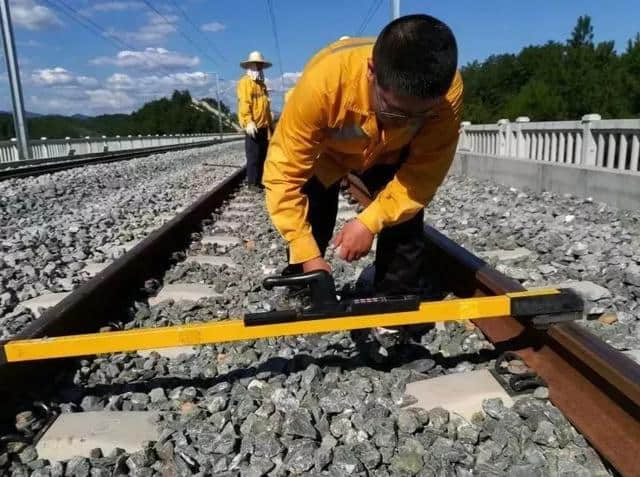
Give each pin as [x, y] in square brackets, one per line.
[371, 71]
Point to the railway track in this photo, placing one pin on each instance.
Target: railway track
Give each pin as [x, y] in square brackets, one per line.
[34, 168]
[597, 388]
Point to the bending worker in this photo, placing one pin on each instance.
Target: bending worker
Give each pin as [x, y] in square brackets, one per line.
[387, 110]
[254, 115]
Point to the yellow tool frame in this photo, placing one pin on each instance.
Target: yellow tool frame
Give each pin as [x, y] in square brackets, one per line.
[560, 305]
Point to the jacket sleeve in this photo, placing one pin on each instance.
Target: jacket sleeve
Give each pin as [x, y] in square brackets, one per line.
[243, 91]
[289, 165]
[430, 155]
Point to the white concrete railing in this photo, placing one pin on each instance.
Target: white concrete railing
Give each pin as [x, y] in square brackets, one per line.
[58, 148]
[611, 144]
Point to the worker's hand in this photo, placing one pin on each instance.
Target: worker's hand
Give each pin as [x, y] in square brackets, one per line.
[353, 241]
[251, 129]
[317, 263]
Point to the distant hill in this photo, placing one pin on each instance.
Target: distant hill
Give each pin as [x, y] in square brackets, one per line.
[177, 115]
[28, 114]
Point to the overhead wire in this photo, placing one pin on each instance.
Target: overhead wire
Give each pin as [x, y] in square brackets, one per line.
[85, 21]
[195, 27]
[373, 9]
[274, 29]
[184, 35]
[93, 27]
[88, 23]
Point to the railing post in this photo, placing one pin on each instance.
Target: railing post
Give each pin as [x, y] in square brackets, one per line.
[44, 148]
[589, 144]
[521, 143]
[463, 142]
[504, 137]
[105, 146]
[14, 149]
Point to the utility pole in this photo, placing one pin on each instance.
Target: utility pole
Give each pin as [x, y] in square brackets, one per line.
[219, 105]
[19, 123]
[395, 9]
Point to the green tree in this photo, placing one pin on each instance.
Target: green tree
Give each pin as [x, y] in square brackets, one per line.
[582, 34]
[163, 116]
[556, 81]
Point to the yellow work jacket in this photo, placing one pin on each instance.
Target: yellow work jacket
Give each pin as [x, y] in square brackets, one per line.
[328, 129]
[287, 95]
[253, 103]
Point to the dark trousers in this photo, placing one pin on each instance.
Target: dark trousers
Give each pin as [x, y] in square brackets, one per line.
[256, 152]
[403, 263]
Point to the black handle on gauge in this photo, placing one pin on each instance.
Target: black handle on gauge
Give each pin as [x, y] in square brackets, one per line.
[323, 289]
[270, 317]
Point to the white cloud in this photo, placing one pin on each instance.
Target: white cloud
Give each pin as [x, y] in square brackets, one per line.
[58, 90]
[115, 6]
[59, 76]
[284, 82]
[52, 76]
[32, 16]
[29, 43]
[149, 59]
[120, 81]
[155, 31]
[109, 100]
[158, 84]
[86, 81]
[213, 27]
[71, 100]
[197, 78]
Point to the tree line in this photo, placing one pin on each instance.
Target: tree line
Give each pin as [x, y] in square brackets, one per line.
[556, 81]
[175, 115]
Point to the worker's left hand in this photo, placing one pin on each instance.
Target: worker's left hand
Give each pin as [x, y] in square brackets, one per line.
[353, 241]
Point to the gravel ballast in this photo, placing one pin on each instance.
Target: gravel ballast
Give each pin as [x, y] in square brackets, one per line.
[312, 405]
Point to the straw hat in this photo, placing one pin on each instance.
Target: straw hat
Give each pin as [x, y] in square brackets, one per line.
[255, 57]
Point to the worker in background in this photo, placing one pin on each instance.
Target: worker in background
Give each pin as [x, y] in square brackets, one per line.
[388, 110]
[254, 115]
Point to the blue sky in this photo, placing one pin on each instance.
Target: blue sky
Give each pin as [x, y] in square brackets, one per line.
[135, 55]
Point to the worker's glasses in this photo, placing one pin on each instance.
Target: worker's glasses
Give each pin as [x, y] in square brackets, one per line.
[395, 116]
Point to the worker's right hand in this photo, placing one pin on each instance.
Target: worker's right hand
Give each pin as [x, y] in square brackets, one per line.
[317, 263]
[251, 129]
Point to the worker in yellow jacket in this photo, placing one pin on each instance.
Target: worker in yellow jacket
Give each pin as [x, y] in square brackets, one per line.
[254, 115]
[386, 109]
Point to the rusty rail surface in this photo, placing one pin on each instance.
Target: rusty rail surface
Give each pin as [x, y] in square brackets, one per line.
[594, 385]
[95, 302]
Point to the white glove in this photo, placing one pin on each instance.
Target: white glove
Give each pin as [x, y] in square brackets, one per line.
[251, 129]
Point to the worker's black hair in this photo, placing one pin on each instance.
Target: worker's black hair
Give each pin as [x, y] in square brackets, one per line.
[416, 55]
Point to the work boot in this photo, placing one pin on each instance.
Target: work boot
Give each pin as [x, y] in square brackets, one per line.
[389, 337]
[380, 344]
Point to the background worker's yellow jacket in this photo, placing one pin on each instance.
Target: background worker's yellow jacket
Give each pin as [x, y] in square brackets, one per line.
[328, 129]
[253, 103]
